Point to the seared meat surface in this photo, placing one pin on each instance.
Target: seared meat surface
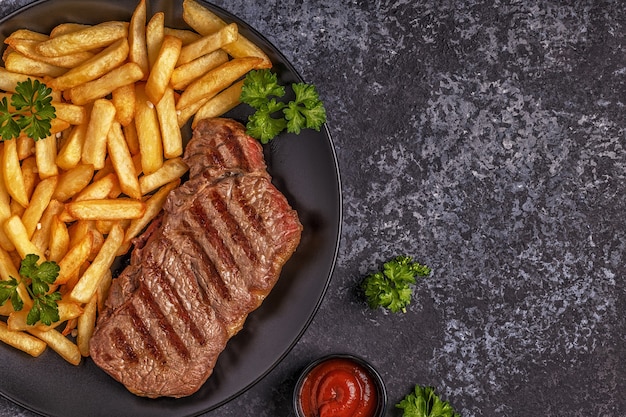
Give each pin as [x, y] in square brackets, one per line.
[199, 270]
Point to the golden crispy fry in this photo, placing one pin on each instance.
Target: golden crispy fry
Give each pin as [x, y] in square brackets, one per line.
[63, 28]
[101, 87]
[89, 38]
[71, 152]
[42, 236]
[220, 104]
[25, 147]
[153, 207]
[94, 148]
[168, 122]
[78, 230]
[123, 99]
[216, 80]
[163, 67]
[154, 36]
[86, 325]
[106, 209]
[60, 344]
[89, 282]
[103, 289]
[22, 341]
[187, 36]
[28, 47]
[73, 181]
[39, 202]
[184, 114]
[111, 57]
[171, 169]
[8, 79]
[98, 189]
[45, 155]
[137, 38]
[28, 35]
[67, 310]
[16, 231]
[205, 22]
[209, 43]
[12, 173]
[132, 140]
[148, 132]
[16, 62]
[8, 270]
[75, 258]
[59, 241]
[71, 113]
[123, 162]
[185, 74]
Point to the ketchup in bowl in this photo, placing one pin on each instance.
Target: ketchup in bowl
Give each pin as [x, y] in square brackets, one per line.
[340, 386]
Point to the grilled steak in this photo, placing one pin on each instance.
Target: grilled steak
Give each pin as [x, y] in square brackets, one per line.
[199, 270]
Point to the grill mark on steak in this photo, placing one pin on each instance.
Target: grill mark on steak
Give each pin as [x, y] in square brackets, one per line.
[222, 251]
[251, 214]
[233, 227]
[119, 340]
[146, 337]
[235, 149]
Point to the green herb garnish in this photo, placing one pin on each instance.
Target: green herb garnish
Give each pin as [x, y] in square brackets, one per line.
[32, 111]
[424, 402]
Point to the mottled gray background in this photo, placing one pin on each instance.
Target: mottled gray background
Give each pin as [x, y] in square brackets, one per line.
[486, 139]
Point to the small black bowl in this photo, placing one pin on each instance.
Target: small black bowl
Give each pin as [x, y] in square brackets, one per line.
[376, 379]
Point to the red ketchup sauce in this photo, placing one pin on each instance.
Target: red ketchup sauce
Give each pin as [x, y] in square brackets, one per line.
[338, 387]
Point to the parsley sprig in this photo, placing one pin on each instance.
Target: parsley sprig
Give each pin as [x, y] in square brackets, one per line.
[45, 308]
[31, 111]
[424, 402]
[261, 90]
[391, 288]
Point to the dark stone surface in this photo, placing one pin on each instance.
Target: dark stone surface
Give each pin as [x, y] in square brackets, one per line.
[486, 139]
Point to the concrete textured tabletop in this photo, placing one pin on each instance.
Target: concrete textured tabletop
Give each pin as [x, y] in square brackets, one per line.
[487, 140]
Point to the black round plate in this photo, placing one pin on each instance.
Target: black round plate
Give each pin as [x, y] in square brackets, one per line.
[303, 167]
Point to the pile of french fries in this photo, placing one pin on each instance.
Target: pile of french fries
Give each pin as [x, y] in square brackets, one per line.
[122, 91]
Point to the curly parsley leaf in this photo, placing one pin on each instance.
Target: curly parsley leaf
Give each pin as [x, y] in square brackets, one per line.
[8, 291]
[424, 402]
[32, 111]
[261, 91]
[392, 288]
[45, 307]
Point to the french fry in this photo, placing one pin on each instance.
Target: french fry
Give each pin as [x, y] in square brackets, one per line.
[148, 132]
[8, 270]
[171, 169]
[183, 115]
[12, 173]
[71, 182]
[102, 291]
[60, 344]
[94, 148]
[132, 140]
[18, 235]
[9, 80]
[185, 74]
[86, 39]
[88, 283]
[71, 113]
[45, 156]
[209, 43]
[39, 202]
[86, 325]
[59, 241]
[42, 236]
[205, 22]
[71, 152]
[25, 147]
[22, 341]
[185, 35]
[5, 210]
[123, 162]
[16, 62]
[163, 67]
[79, 229]
[111, 57]
[98, 189]
[123, 99]
[153, 207]
[154, 36]
[67, 310]
[216, 80]
[137, 37]
[101, 87]
[107, 209]
[28, 35]
[168, 122]
[75, 257]
[63, 28]
[220, 104]
[28, 47]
